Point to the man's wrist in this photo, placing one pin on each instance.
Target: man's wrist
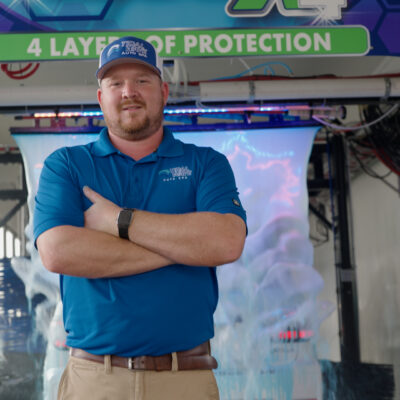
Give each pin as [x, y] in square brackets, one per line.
[124, 221]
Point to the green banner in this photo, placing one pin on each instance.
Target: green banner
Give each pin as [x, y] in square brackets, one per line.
[326, 41]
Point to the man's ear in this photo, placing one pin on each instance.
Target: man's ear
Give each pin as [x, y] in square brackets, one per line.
[99, 96]
[165, 91]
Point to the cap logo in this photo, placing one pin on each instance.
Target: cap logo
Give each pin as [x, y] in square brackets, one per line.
[134, 48]
[113, 48]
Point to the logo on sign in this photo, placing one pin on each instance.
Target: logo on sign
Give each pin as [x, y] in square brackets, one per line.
[325, 9]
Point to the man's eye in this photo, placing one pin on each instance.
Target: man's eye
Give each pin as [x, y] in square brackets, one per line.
[115, 83]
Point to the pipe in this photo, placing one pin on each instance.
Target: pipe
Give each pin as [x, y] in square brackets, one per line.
[298, 89]
[47, 95]
[285, 89]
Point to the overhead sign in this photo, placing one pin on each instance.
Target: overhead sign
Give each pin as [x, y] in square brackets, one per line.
[349, 40]
[53, 30]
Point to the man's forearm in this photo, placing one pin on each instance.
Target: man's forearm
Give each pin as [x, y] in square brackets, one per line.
[199, 238]
[87, 253]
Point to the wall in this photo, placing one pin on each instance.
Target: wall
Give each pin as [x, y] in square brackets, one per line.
[11, 176]
[377, 237]
[376, 223]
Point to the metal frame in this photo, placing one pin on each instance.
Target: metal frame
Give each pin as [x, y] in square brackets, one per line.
[341, 226]
[344, 255]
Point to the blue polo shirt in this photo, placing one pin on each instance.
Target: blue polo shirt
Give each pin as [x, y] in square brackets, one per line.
[153, 313]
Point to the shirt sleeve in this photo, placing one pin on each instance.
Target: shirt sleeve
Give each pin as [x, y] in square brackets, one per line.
[59, 197]
[217, 190]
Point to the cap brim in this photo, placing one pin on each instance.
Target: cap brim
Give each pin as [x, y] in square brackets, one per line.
[106, 67]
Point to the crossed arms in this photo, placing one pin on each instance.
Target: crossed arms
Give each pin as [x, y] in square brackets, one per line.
[155, 240]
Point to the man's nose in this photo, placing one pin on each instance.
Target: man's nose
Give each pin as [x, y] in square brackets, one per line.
[129, 90]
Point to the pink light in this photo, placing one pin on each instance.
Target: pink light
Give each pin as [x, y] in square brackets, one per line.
[248, 191]
[285, 193]
[176, 111]
[60, 343]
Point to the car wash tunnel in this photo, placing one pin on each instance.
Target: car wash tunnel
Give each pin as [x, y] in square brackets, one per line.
[302, 98]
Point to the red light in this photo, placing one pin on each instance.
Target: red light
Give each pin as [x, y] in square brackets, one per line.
[294, 335]
[306, 334]
[60, 344]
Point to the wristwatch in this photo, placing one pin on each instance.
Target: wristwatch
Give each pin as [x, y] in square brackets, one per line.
[124, 220]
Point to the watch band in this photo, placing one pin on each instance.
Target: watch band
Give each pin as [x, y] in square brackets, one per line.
[124, 221]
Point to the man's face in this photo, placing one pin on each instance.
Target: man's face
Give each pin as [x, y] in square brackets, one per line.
[132, 98]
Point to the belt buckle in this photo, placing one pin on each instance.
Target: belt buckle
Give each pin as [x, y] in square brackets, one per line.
[136, 363]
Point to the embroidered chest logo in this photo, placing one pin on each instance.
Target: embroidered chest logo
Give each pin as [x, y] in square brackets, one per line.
[175, 174]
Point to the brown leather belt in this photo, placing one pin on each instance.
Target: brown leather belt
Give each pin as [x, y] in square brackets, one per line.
[197, 358]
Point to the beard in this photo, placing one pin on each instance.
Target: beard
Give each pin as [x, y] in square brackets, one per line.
[138, 127]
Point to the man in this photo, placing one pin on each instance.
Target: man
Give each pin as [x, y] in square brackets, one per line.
[135, 223]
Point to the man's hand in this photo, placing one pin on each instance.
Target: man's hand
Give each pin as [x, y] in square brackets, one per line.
[102, 215]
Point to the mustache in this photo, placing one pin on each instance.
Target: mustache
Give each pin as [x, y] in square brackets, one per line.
[132, 103]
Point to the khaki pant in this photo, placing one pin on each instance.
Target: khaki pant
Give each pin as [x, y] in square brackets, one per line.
[88, 380]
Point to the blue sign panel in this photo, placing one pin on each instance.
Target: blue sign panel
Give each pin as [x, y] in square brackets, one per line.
[380, 17]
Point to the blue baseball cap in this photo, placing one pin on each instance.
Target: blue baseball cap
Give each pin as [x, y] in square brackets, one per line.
[128, 49]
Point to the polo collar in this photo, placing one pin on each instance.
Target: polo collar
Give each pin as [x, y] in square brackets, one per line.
[102, 146]
[169, 147]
